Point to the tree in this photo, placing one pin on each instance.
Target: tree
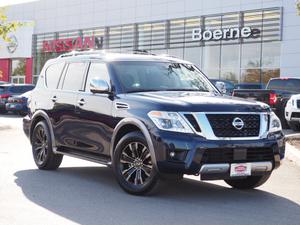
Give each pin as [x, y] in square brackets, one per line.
[7, 27]
[298, 6]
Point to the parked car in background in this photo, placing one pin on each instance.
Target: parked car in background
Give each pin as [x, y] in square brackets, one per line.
[250, 86]
[278, 91]
[18, 104]
[228, 85]
[9, 90]
[292, 112]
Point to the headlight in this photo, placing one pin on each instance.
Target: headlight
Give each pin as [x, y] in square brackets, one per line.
[170, 121]
[275, 124]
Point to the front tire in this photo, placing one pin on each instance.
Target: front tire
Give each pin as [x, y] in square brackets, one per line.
[249, 182]
[42, 150]
[133, 165]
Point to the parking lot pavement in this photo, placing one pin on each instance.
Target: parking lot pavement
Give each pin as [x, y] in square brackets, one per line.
[86, 193]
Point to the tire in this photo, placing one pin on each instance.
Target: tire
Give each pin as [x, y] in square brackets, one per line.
[295, 126]
[42, 150]
[133, 165]
[249, 182]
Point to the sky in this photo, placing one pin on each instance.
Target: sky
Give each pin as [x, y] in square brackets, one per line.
[13, 2]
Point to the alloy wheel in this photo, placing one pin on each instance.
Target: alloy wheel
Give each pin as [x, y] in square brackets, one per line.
[40, 145]
[135, 163]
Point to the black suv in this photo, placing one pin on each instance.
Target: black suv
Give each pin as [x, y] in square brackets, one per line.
[149, 117]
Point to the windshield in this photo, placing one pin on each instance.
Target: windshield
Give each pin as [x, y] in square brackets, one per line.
[160, 76]
[285, 84]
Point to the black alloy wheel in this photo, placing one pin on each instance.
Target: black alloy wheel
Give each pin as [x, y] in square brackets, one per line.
[42, 148]
[133, 164]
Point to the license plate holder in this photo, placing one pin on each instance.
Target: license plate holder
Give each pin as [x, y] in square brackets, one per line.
[240, 169]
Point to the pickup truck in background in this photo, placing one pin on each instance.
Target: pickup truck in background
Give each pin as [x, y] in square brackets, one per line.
[278, 91]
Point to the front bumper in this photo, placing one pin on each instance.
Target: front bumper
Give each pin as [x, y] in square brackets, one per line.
[292, 114]
[193, 154]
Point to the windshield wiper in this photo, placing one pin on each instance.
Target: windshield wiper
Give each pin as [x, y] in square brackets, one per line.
[142, 90]
[179, 89]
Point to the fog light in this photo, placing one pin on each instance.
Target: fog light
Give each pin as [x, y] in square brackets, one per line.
[172, 154]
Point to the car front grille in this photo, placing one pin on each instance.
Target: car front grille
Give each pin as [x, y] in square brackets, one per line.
[232, 155]
[295, 115]
[222, 125]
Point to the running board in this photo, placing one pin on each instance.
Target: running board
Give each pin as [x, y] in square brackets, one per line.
[85, 156]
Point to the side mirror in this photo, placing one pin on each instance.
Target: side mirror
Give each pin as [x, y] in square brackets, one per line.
[99, 86]
[221, 87]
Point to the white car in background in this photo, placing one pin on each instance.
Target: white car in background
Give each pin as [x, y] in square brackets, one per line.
[292, 112]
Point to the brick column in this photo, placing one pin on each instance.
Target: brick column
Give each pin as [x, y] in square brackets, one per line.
[4, 69]
[28, 71]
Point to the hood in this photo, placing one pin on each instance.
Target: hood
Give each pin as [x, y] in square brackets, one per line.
[195, 102]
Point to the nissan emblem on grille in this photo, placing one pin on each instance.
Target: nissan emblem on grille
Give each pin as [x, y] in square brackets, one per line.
[238, 123]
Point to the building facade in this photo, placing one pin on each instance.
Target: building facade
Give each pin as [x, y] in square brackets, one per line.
[237, 40]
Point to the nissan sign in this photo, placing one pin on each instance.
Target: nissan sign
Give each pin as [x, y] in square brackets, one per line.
[224, 34]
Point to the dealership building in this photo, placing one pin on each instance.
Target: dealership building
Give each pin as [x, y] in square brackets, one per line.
[237, 40]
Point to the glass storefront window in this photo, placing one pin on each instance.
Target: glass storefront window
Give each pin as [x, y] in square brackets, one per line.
[177, 52]
[245, 60]
[230, 21]
[176, 33]
[267, 74]
[193, 55]
[250, 76]
[271, 54]
[230, 62]
[18, 70]
[251, 55]
[211, 61]
[213, 23]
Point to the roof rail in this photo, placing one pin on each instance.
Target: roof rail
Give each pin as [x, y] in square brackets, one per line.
[75, 53]
[142, 52]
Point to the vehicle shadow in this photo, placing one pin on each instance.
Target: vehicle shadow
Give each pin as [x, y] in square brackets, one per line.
[90, 195]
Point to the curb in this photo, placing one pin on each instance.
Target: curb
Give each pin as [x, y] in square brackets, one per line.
[292, 154]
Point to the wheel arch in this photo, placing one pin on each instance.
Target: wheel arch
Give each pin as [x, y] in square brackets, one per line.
[38, 116]
[129, 125]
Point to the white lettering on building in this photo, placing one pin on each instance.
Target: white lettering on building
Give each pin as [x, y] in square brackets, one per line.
[219, 34]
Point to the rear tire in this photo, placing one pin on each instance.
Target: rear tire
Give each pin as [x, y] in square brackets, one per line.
[295, 126]
[133, 165]
[249, 182]
[42, 149]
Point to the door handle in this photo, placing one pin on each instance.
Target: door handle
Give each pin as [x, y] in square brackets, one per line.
[81, 102]
[54, 98]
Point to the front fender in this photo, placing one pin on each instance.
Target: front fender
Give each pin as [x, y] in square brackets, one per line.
[142, 127]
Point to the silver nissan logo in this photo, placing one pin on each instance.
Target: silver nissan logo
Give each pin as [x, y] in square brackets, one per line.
[238, 123]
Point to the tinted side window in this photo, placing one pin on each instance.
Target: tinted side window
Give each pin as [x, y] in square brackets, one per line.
[74, 76]
[289, 84]
[98, 70]
[28, 88]
[17, 89]
[53, 73]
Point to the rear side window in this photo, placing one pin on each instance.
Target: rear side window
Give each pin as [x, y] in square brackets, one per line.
[98, 70]
[2, 89]
[19, 89]
[74, 76]
[285, 84]
[53, 74]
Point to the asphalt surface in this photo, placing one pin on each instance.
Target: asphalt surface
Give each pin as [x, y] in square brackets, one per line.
[80, 192]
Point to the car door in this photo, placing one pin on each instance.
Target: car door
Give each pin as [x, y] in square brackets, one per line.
[64, 102]
[95, 113]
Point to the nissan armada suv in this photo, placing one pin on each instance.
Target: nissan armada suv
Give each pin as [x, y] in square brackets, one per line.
[148, 117]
